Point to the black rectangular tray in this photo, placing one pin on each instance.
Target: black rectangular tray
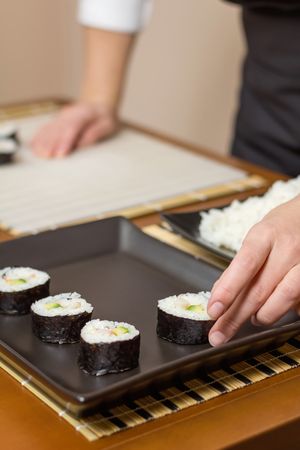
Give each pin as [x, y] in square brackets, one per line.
[187, 225]
[123, 272]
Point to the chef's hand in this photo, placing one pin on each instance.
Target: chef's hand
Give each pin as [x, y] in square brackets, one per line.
[263, 280]
[75, 126]
[94, 117]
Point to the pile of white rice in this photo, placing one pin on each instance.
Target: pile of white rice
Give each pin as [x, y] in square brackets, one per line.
[7, 146]
[177, 305]
[228, 227]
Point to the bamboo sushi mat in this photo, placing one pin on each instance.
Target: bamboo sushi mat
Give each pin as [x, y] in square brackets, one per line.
[179, 396]
[133, 175]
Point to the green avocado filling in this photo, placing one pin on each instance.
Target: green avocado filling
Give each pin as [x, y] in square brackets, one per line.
[52, 306]
[196, 308]
[119, 330]
[16, 281]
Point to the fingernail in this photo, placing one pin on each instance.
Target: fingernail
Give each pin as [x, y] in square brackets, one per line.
[216, 310]
[217, 338]
[61, 149]
[255, 322]
[60, 153]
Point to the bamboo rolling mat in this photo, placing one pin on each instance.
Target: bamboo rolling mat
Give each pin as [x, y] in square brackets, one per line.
[170, 400]
[132, 175]
[179, 396]
[27, 110]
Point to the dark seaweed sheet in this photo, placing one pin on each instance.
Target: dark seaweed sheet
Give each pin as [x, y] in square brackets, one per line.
[19, 302]
[113, 357]
[59, 329]
[182, 330]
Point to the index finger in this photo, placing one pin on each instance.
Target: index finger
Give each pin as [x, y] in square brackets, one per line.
[244, 267]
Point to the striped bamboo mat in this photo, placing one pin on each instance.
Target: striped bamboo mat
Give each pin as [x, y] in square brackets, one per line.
[245, 183]
[175, 398]
[27, 110]
[248, 183]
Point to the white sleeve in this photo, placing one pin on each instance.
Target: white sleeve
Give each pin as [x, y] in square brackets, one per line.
[126, 16]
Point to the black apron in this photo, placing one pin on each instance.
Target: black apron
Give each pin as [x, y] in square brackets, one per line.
[267, 130]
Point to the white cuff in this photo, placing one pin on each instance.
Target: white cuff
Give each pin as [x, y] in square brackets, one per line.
[127, 16]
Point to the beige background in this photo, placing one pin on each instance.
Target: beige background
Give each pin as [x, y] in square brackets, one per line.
[184, 76]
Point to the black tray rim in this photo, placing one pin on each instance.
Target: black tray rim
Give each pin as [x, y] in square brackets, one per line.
[293, 329]
[225, 254]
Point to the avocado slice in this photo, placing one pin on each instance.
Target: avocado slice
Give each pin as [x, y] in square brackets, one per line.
[52, 306]
[196, 308]
[119, 330]
[16, 281]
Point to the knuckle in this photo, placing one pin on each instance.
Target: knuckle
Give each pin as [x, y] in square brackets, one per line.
[290, 290]
[224, 293]
[289, 242]
[230, 324]
[69, 132]
[267, 228]
[248, 262]
[68, 136]
[257, 296]
[263, 231]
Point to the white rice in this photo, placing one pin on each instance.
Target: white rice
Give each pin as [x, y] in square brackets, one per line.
[7, 129]
[7, 146]
[177, 305]
[228, 227]
[31, 278]
[98, 331]
[70, 304]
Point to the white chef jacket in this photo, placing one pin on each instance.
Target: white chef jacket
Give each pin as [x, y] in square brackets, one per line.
[128, 16]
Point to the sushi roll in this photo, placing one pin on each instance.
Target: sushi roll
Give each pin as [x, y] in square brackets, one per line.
[9, 131]
[8, 149]
[108, 347]
[20, 287]
[59, 319]
[183, 319]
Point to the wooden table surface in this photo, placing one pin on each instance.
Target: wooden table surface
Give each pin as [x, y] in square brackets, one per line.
[264, 415]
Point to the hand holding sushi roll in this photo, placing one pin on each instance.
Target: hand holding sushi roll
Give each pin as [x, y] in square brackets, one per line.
[94, 117]
[263, 280]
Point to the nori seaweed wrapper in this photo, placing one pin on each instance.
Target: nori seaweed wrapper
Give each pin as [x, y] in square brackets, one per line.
[59, 329]
[13, 135]
[182, 330]
[112, 357]
[19, 302]
[6, 158]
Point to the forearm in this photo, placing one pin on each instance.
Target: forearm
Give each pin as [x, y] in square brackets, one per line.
[106, 58]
